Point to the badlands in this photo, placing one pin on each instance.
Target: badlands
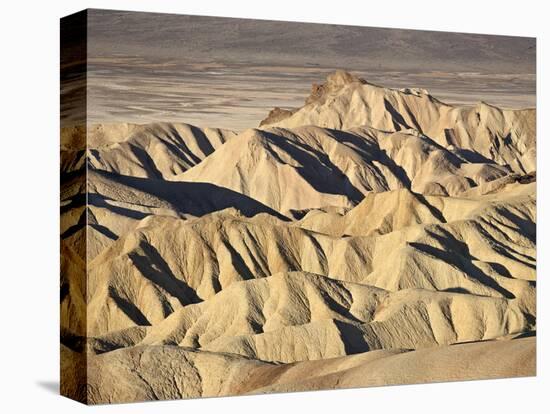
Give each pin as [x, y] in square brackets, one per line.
[373, 236]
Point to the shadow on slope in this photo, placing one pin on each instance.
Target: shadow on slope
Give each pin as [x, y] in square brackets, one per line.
[192, 198]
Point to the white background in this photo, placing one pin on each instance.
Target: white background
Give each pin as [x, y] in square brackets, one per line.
[29, 189]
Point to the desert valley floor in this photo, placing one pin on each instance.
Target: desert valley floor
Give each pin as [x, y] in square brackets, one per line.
[373, 236]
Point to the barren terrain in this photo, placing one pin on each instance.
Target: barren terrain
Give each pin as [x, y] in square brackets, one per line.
[372, 236]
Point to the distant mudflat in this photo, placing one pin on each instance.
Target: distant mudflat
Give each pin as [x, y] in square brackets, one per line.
[149, 67]
[236, 96]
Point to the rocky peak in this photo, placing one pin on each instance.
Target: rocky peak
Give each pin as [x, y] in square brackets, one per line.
[334, 82]
[276, 114]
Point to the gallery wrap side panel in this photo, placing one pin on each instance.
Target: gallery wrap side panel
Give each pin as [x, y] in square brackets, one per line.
[73, 199]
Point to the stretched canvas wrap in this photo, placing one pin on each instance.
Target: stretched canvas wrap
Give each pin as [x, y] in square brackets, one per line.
[255, 206]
